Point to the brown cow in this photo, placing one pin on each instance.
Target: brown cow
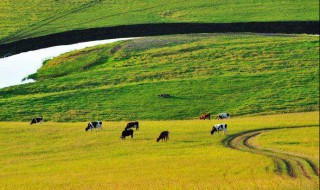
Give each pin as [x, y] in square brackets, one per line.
[205, 116]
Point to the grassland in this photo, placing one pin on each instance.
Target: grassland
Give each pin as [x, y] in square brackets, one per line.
[64, 156]
[286, 140]
[243, 74]
[28, 18]
[240, 73]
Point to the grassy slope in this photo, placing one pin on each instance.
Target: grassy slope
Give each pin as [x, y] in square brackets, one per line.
[240, 74]
[56, 16]
[63, 156]
[18, 15]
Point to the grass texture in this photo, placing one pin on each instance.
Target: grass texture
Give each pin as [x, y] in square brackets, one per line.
[64, 156]
[239, 73]
[28, 18]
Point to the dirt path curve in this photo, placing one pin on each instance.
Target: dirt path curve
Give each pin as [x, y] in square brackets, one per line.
[286, 163]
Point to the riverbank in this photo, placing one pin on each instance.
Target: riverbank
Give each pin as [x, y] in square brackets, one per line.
[14, 70]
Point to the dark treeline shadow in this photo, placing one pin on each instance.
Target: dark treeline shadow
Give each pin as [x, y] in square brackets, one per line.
[139, 30]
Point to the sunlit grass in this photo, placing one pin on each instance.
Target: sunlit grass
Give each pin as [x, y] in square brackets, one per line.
[302, 140]
[64, 156]
[27, 18]
[237, 73]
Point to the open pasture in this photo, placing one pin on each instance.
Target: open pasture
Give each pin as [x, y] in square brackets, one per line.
[64, 156]
[28, 18]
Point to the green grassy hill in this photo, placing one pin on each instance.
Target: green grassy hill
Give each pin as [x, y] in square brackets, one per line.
[28, 18]
[239, 73]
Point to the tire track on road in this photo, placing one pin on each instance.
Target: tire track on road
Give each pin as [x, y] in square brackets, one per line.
[286, 163]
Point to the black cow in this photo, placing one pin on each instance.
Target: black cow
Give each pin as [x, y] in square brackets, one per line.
[126, 133]
[36, 120]
[134, 124]
[94, 124]
[219, 127]
[164, 135]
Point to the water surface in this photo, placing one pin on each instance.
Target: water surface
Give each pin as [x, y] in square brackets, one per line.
[14, 68]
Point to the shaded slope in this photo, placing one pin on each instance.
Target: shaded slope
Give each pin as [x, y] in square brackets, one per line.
[138, 30]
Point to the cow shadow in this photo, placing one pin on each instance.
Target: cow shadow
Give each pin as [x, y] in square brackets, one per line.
[173, 98]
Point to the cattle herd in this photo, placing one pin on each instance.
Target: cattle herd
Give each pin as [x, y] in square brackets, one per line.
[164, 135]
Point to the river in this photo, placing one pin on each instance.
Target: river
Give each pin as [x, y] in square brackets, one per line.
[15, 68]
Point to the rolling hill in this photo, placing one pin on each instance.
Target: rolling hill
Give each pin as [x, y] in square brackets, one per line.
[260, 79]
[239, 73]
[28, 18]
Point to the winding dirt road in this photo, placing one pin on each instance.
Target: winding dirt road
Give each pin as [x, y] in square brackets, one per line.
[286, 163]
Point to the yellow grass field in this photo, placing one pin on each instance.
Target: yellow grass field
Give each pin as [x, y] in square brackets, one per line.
[64, 156]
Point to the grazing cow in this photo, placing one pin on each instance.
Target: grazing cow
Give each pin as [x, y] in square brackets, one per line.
[164, 95]
[127, 133]
[223, 116]
[205, 116]
[219, 127]
[134, 124]
[36, 120]
[164, 135]
[94, 124]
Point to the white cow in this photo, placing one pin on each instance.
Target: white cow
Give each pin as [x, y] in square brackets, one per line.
[219, 127]
[94, 124]
[223, 116]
